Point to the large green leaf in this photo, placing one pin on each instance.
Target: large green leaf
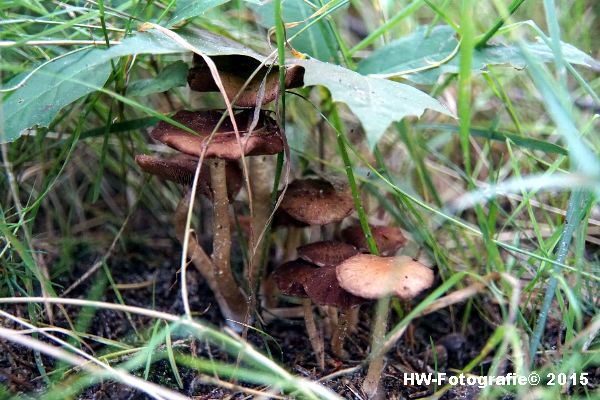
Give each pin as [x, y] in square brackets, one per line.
[174, 75]
[317, 41]
[39, 100]
[192, 8]
[424, 50]
[376, 102]
[64, 80]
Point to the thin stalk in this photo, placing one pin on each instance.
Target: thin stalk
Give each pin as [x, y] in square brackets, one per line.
[221, 256]
[371, 385]
[280, 36]
[467, 47]
[199, 258]
[362, 216]
[261, 171]
[408, 10]
[339, 335]
[371, 382]
[316, 341]
[575, 212]
[353, 317]
[514, 6]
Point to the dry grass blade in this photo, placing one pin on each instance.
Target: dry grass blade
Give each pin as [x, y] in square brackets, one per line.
[151, 389]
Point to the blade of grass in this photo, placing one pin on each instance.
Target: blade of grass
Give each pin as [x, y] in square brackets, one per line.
[512, 8]
[405, 12]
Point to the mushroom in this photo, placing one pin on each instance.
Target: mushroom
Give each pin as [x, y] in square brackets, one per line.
[290, 278]
[387, 238]
[219, 144]
[235, 70]
[264, 138]
[317, 201]
[258, 138]
[180, 168]
[326, 253]
[324, 289]
[330, 253]
[376, 277]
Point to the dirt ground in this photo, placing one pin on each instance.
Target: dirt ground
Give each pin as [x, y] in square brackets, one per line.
[157, 259]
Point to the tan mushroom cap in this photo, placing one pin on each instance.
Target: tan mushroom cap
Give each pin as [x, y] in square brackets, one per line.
[373, 277]
[180, 168]
[234, 71]
[327, 253]
[290, 277]
[388, 239]
[264, 139]
[317, 201]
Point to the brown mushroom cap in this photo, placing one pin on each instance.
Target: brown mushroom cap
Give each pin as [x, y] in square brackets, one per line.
[317, 202]
[283, 219]
[326, 253]
[323, 288]
[234, 71]
[180, 168]
[373, 277]
[388, 239]
[264, 139]
[290, 277]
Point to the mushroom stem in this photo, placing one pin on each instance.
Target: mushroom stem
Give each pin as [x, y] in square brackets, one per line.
[339, 336]
[353, 317]
[269, 293]
[332, 318]
[293, 239]
[371, 384]
[316, 340]
[221, 256]
[197, 255]
[261, 172]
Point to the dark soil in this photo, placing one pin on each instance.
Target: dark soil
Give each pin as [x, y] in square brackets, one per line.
[156, 259]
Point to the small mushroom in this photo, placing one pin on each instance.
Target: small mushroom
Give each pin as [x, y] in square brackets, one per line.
[317, 201]
[290, 278]
[234, 71]
[387, 238]
[283, 219]
[326, 253]
[374, 277]
[264, 138]
[258, 137]
[323, 288]
[180, 168]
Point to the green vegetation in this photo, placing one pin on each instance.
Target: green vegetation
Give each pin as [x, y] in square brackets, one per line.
[470, 125]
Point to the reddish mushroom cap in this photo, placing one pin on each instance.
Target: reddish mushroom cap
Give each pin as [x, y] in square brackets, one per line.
[264, 139]
[317, 201]
[290, 277]
[180, 168]
[234, 71]
[323, 288]
[326, 253]
[373, 277]
[388, 239]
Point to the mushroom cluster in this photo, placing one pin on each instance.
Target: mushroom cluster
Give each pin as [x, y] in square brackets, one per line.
[336, 274]
[220, 145]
